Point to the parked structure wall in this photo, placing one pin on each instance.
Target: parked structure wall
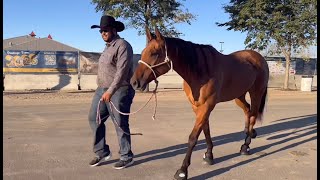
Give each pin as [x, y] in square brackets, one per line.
[82, 73]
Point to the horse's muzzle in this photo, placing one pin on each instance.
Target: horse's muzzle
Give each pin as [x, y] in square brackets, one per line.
[138, 84]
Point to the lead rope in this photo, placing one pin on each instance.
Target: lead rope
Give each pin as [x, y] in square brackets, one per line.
[154, 93]
[98, 118]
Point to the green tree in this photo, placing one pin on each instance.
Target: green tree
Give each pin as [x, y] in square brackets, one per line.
[291, 24]
[147, 13]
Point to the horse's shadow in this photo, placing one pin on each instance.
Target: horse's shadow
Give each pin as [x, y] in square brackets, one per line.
[307, 122]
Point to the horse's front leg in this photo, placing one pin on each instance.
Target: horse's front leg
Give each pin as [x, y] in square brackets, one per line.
[208, 156]
[202, 115]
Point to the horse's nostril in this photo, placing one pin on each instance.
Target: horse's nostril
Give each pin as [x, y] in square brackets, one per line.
[135, 84]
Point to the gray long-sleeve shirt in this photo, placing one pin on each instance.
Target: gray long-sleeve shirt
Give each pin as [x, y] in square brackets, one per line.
[115, 65]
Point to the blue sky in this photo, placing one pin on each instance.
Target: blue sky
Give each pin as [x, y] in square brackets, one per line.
[69, 21]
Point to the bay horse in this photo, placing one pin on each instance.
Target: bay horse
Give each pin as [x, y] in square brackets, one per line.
[209, 78]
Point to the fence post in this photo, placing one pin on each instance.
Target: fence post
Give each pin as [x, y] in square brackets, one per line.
[3, 81]
[79, 75]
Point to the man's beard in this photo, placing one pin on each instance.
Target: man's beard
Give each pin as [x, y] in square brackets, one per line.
[111, 37]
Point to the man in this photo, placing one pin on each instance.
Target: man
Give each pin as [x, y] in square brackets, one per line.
[113, 80]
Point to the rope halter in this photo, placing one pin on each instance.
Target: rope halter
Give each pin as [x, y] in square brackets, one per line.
[166, 61]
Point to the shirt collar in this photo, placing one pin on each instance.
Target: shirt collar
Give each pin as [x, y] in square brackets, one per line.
[113, 42]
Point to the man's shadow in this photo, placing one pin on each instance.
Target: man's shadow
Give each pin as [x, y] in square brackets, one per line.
[64, 75]
[308, 122]
[64, 80]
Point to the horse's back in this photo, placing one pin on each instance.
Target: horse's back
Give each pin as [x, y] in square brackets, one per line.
[252, 57]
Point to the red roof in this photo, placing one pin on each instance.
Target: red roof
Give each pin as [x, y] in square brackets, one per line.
[32, 34]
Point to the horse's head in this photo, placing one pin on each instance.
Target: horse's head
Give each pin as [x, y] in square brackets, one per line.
[154, 61]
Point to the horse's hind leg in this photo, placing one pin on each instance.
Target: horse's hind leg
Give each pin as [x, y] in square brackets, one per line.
[245, 106]
[208, 156]
[256, 97]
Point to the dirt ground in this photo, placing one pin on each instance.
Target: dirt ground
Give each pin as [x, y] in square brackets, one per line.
[46, 135]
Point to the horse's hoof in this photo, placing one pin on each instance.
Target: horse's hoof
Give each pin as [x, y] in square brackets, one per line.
[245, 150]
[180, 175]
[254, 134]
[208, 159]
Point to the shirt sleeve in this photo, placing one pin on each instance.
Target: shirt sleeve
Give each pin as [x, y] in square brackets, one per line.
[124, 57]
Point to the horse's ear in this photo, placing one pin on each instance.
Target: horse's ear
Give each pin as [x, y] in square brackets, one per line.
[148, 33]
[158, 34]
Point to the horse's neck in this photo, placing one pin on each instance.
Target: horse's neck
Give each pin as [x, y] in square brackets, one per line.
[183, 70]
[179, 64]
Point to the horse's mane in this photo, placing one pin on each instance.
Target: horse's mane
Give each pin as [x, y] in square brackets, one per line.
[195, 56]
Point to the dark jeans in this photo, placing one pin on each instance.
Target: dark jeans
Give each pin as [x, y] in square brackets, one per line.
[122, 99]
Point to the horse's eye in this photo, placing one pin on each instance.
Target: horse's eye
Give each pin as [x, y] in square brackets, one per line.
[155, 55]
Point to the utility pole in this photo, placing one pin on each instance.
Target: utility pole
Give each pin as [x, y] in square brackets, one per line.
[221, 46]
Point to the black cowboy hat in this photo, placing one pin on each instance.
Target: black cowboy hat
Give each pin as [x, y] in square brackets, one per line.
[109, 21]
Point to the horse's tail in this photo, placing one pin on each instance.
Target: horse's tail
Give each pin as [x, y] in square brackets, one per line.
[262, 104]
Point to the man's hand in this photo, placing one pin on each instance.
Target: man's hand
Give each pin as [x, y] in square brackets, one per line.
[106, 97]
